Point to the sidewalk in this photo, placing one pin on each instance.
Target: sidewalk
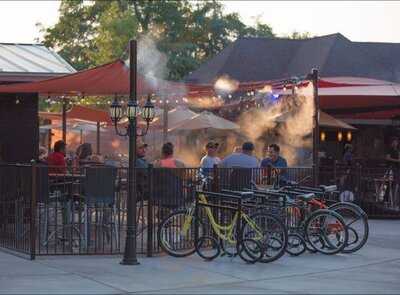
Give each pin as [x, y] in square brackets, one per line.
[374, 269]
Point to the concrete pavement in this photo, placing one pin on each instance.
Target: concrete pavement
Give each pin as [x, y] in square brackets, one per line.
[373, 270]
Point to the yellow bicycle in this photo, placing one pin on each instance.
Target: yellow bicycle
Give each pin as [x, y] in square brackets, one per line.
[257, 237]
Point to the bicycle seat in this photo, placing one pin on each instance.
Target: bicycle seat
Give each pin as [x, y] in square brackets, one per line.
[306, 197]
[328, 188]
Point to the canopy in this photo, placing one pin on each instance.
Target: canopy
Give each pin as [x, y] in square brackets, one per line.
[107, 79]
[206, 120]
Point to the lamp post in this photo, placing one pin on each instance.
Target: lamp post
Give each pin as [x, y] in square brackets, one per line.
[132, 112]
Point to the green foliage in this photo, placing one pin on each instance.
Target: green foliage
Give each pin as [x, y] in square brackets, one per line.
[188, 32]
[299, 35]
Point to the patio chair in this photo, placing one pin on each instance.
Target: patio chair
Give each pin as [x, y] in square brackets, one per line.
[60, 213]
[99, 192]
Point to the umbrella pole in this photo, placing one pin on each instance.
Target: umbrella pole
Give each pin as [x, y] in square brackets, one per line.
[98, 138]
[49, 141]
[81, 136]
[165, 123]
[64, 119]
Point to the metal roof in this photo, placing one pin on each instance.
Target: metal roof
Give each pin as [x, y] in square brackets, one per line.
[18, 58]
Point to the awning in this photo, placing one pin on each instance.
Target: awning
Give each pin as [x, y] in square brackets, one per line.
[108, 79]
[81, 113]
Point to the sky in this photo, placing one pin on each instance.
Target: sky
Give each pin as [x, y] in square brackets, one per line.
[357, 20]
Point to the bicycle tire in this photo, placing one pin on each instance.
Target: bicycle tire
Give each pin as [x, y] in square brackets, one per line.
[339, 222]
[279, 234]
[165, 245]
[301, 245]
[361, 234]
[214, 245]
[253, 255]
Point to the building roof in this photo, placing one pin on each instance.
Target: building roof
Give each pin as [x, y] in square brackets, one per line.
[30, 61]
[260, 59]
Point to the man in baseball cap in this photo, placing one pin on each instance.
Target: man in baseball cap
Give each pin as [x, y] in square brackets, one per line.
[141, 162]
[210, 159]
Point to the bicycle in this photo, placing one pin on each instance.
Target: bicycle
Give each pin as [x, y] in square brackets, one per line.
[322, 230]
[177, 233]
[247, 248]
[355, 218]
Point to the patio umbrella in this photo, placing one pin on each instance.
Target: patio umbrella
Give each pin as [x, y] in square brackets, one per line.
[175, 116]
[325, 120]
[205, 120]
[76, 127]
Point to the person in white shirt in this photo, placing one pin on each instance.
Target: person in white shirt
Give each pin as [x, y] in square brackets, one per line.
[210, 159]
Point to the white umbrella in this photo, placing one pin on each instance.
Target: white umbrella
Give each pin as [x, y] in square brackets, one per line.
[175, 116]
[325, 120]
[206, 120]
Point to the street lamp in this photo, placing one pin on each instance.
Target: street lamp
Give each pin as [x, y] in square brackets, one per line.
[132, 112]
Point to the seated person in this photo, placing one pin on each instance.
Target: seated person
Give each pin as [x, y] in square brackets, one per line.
[243, 159]
[167, 158]
[56, 160]
[210, 159]
[274, 160]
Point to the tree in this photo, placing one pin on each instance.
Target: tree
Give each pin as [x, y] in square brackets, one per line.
[188, 32]
[299, 36]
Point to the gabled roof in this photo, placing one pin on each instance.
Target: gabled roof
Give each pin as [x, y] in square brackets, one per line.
[31, 59]
[260, 59]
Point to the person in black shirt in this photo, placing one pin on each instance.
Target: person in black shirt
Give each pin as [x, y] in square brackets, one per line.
[393, 154]
[393, 159]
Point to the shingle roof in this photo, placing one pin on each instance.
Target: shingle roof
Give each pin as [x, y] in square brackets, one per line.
[31, 59]
[258, 59]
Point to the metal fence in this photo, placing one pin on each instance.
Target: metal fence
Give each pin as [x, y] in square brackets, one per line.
[17, 203]
[45, 212]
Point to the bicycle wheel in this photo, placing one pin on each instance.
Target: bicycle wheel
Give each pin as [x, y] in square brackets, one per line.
[356, 221]
[173, 238]
[250, 250]
[208, 248]
[270, 232]
[296, 245]
[326, 232]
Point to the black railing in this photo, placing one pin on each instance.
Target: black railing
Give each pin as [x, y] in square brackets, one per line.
[44, 212]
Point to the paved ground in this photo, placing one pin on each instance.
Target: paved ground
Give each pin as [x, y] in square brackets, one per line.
[374, 269]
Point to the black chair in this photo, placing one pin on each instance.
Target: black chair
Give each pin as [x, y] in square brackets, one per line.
[240, 178]
[99, 192]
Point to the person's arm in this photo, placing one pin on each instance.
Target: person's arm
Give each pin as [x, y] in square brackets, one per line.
[390, 159]
[202, 162]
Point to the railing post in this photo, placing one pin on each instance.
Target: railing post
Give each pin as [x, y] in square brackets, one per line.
[33, 213]
[150, 211]
[215, 183]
